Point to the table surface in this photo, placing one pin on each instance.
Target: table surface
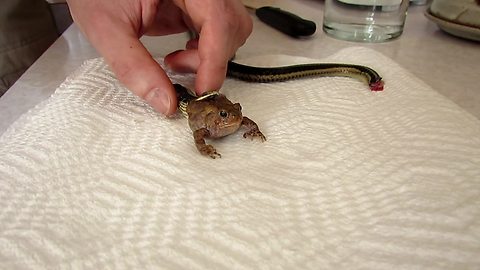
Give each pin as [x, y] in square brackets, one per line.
[448, 64]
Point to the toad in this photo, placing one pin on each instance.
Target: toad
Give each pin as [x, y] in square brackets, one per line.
[212, 116]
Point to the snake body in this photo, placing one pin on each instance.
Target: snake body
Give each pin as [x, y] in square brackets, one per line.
[285, 73]
[277, 74]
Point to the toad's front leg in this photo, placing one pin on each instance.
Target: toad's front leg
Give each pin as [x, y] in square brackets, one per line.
[252, 129]
[205, 149]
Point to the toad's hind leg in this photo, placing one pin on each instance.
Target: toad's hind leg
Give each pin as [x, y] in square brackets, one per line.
[204, 149]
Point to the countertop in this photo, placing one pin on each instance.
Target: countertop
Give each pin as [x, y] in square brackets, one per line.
[448, 64]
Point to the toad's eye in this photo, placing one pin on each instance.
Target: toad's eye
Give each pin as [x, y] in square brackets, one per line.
[223, 114]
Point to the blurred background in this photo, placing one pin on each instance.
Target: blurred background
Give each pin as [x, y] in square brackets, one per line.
[27, 29]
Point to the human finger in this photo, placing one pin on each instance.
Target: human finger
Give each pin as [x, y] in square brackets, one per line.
[116, 39]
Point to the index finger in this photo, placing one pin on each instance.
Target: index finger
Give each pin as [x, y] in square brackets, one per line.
[221, 34]
[214, 51]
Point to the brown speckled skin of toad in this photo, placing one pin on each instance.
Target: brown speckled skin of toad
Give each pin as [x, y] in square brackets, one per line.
[214, 116]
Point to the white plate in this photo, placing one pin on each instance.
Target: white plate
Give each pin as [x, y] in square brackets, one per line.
[459, 30]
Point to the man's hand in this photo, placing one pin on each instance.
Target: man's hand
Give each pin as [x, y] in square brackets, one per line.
[114, 29]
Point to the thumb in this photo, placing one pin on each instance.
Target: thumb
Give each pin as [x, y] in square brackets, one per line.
[135, 67]
[138, 71]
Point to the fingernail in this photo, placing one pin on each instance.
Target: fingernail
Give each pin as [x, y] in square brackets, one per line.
[159, 100]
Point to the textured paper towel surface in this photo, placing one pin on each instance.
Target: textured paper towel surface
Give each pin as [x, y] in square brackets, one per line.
[348, 179]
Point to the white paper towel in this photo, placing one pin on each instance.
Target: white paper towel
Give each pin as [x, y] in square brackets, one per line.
[348, 178]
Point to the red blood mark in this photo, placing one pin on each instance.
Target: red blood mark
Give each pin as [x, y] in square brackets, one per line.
[377, 86]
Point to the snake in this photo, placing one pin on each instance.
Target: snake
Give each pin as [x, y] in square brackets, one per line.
[290, 72]
[285, 73]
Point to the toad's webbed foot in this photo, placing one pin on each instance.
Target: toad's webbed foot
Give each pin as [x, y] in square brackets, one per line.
[253, 130]
[254, 134]
[208, 150]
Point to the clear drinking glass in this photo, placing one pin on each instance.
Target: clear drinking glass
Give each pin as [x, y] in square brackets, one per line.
[418, 2]
[365, 20]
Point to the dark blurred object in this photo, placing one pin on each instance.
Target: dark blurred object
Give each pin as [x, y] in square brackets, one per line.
[286, 22]
[282, 20]
[27, 29]
[61, 14]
